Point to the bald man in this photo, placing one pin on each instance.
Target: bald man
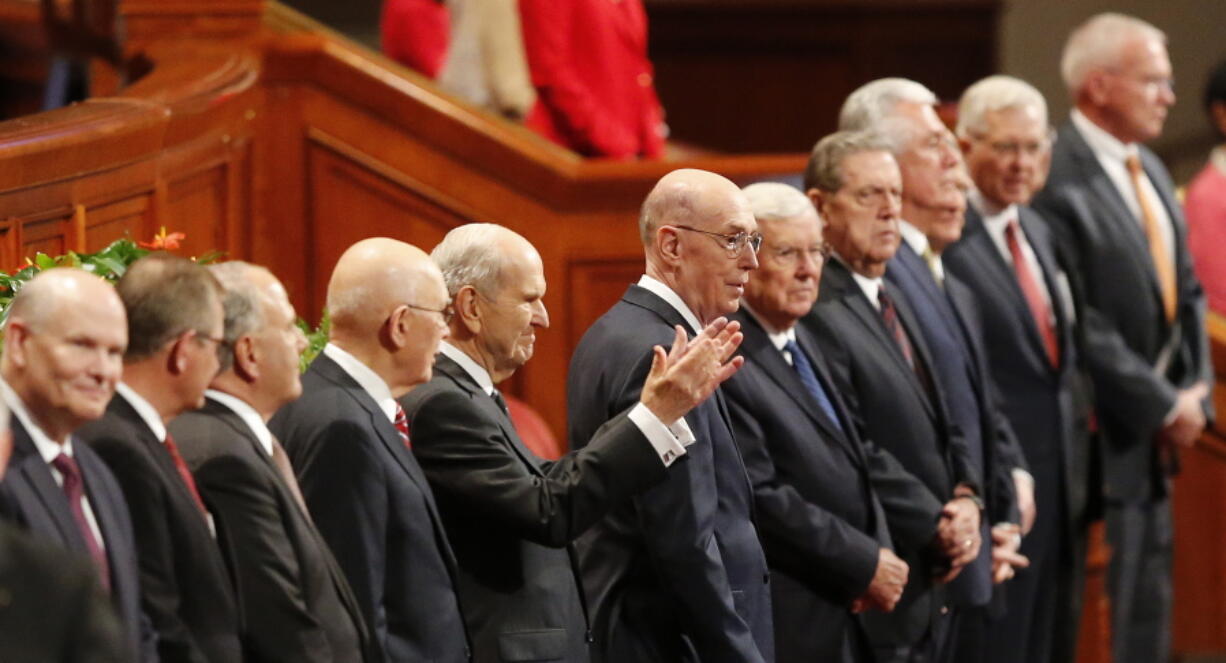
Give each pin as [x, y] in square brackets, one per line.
[63, 355]
[348, 441]
[676, 574]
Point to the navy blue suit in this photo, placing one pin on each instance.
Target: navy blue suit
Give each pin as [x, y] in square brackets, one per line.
[30, 497]
[677, 574]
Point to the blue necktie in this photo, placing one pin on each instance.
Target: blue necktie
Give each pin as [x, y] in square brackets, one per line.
[805, 370]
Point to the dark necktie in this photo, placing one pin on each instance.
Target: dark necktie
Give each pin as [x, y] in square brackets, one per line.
[74, 490]
[281, 462]
[1031, 290]
[501, 402]
[402, 426]
[184, 473]
[807, 375]
[889, 315]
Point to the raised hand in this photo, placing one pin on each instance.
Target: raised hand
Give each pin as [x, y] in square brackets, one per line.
[691, 370]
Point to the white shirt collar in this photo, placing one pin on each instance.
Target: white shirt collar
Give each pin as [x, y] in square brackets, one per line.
[917, 240]
[1102, 144]
[667, 294]
[366, 378]
[48, 449]
[474, 370]
[995, 218]
[145, 409]
[1218, 158]
[870, 286]
[248, 414]
[777, 338]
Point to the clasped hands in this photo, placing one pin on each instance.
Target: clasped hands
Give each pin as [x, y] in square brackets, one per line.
[689, 372]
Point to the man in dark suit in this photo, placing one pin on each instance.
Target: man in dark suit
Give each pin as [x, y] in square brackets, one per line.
[296, 603]
[174, 316]
[932, 216]
[511, 516]
[823, 529]
[51, 605]
[678, 573]
[348, 441]
[63, 355]
[1112, 210]
[1006, 259]
[881, 366]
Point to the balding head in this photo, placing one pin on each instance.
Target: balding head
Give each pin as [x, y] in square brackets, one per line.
[700, 238]
[63, 348]
[386, 299]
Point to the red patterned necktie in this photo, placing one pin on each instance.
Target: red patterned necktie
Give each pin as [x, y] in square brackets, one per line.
[402, 426]
[1039, 308]
[74, 490]
[184, 473]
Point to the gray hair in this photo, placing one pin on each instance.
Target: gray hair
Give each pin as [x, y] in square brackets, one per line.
[871, 107]
[468, 255]
[244, 312]
[775, 201]
[824, 171]
[164, 296]
[996, 93]
[1098, 42]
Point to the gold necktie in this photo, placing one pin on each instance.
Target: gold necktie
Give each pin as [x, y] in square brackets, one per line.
[930, 259]
[1157, 243]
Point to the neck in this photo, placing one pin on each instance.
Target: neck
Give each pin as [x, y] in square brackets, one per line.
[469, 346]
[149, 379]
[374, 357]
[247, 392]
[670, 279]
[1102, 121]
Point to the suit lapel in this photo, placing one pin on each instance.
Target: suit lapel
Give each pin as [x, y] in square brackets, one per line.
[40, 491]
[120, 408]
[846, 434]
[1040, 243]
[444, 364]
[642, 297]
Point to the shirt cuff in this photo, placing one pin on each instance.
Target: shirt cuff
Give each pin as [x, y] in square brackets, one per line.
[1022, 475]
[668, 441]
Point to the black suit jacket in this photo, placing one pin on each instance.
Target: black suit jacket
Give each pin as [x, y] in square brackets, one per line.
[1047, 406]
[511, 516]
[52, 607]
[372, 504]
[678, 574]
[296, 603]
[1105, 249]
[184, 587]
[30, 497]
[895, 411]
[821, 523]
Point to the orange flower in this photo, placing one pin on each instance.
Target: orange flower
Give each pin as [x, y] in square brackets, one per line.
[164, 241]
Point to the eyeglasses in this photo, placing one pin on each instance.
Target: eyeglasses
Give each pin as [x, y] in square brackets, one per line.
[733, 244]
[448, 312]
[790, 254]
[1030, 148]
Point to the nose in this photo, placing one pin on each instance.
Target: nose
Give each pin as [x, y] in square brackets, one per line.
[300, 340]
[540, 316]
[748, 260]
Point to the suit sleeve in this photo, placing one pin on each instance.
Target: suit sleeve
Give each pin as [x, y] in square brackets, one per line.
[96, 636]
[808, 541]
[467, 457]
[1124, 381]
[676, 519]
[280, 625]
[155, 549]
[344, 485]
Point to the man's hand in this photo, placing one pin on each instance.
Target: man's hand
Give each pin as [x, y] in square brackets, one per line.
[887, 584]
[1006, 539]
[689, 373]
[958, 534]
[1189, 421]
[1023, 486]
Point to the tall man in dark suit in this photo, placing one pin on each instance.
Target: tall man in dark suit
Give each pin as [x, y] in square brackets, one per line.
[822, 526]
[348, 440]
[932, 216]
[511, 516]
[1006, 259]
[677, 574]
[63, 355]
[1111, 207]
[295, 601]
[880, 364]
[53, 607]
[174, 329]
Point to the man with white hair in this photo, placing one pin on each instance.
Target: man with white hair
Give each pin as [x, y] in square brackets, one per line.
[1111, 206]
[1007, 260]
[932, 216]
[348, 441]
[511, 516]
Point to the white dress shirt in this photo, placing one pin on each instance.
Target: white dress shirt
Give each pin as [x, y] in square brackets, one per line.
[1111, 154]
[145, 409]
[249, 416]
[48, 449]
[779, 339]
[366, 378]
[918, 242]
[870, 286]
[996, 220]
[674, 300]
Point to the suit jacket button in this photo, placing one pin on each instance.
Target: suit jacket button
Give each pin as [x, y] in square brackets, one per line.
[944, 610]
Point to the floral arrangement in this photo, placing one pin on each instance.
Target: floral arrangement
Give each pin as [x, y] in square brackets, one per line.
[111, 262]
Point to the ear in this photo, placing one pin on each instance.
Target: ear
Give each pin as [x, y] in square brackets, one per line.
[397, 327]
[668, 245]
[468, 310]
[178, 358]
[964, 144]
[1096, 87]
[818, 198]
[246, 363]
[15, 337]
